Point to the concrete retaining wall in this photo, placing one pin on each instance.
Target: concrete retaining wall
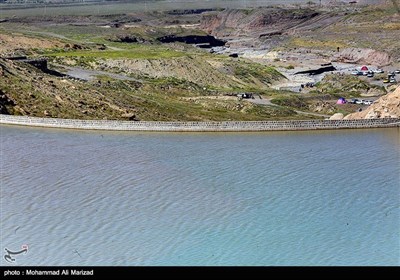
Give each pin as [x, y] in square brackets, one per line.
[197, 126]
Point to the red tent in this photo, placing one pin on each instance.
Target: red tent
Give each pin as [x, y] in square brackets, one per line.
[364, 68]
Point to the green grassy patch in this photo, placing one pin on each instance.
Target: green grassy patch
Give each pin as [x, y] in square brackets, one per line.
[347, 86]
[292, 100]
[248, 72]
[135, 52]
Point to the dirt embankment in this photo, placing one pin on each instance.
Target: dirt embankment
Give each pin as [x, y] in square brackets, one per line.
[363, 56]
[387, 106]
[186, 68]
[10, 44]
[203, 72]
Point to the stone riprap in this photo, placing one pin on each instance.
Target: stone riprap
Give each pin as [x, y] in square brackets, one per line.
[223, 126]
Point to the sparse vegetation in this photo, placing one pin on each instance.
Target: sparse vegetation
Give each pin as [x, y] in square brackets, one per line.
[41, 95]
[292, 100]
[133, 53]
[317, 43]
[251, 71]
[347, 86]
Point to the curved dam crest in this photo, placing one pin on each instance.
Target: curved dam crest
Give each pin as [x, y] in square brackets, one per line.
[223, 126]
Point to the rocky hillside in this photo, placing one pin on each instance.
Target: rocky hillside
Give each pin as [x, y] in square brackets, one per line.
[387, 106]
[257, 21]
[363, 35]
[26, 90]
[203, 71]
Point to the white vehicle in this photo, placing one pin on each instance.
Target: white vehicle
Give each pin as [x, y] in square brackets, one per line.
[378, 71]
[359, 101]
[397, 71]
[368, 102]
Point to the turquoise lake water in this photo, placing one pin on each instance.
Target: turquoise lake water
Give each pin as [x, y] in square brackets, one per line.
[274, 198]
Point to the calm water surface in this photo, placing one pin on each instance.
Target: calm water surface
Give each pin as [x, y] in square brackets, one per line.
[281, 198]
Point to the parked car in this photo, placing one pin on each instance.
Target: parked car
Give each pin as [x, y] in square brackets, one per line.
[368, 102]
[245, 95]
[359, 101]
[397, 71]
[370, 75]
[354, 101]
[356, 73]
[379, 71]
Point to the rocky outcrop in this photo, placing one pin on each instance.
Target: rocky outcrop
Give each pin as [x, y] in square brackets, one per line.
[5, 102]
[337, 117]
[387, 106]
[363, 56]
[41, 64]
[129, 116]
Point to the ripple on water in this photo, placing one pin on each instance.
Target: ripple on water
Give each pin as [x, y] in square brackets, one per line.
[317, 198]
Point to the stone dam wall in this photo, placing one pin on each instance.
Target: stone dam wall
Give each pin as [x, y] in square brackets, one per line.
[224, 126]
